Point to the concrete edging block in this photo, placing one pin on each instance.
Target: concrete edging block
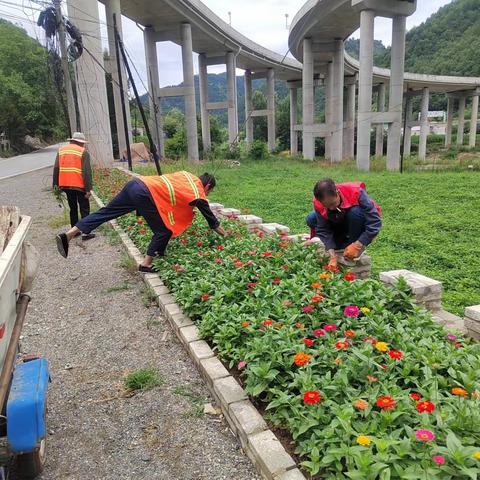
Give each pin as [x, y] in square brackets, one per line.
[294, 474]
[212, 369]
[180, 320]
[200, 350]
[228, 391]
[247, 420]
[189, 334]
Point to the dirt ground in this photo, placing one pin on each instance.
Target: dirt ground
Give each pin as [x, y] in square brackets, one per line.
[93, 320]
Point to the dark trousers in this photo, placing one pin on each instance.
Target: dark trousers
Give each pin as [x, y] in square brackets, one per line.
[134, 196]
[76, 200]
[345, 232]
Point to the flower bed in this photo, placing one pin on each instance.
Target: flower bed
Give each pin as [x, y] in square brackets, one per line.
[368, 385]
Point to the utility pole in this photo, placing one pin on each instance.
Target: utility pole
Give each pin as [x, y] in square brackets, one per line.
[72, 114]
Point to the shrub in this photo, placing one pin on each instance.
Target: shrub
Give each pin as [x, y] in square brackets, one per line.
[258, 150]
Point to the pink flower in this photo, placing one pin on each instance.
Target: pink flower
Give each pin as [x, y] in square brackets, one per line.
[242, 364]
[351, 311]
[451, 337]
[308, 309]
[438, 459]
[425, 435]
[329, 327]
[319, 332]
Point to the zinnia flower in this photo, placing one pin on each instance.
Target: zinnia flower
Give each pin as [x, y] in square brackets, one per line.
[266, 254]
[285, 267]
[386, 402]
[318, 332]
[312, 397]
[317, 298]
[316, 285]
[415, 396]
[242, 364]
[299, 325]
[287, 303]
[205, 296]
[381, 346]
[276, 281]
[363, 440]
[365, 310]
[438, 459]
[308, 342]
[349, 277]
[425, 435]
[217, 260]
[360, 404]
[338, 361]
[329, 327]
[451, 337]
[476, 455]
[351, 311]
[301, 359]
[341, 345]
[245, 324]
[199, 243]
[251, 284]
[325, 276]
[425, 406]
[395, 354]
[267, 322]
[349, 333]
[279, 325]
[308, 309]
[372, 379]
[461, 392]
[372, 340]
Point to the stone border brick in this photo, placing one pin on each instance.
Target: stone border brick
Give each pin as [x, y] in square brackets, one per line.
[472, 321]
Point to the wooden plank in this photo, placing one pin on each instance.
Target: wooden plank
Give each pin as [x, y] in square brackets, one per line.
[9, 220]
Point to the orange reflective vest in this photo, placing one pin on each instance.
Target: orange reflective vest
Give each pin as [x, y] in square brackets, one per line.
[172, 194]
[70, 166]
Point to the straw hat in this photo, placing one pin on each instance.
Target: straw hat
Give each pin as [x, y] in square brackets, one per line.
[78, 137]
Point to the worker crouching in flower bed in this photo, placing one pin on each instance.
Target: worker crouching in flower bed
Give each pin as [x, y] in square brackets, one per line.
[166, 202]
[345, 218]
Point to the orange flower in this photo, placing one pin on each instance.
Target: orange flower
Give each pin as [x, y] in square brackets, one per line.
[316, 285]
[338, 361]
[267, 322]
[317, 298]
[245, 324]
[341, 345]
[461, 392]
[360, 404]
[279, 325]
[386, 402]
[299, 325]
[301, 359]
[325, 276]
[349, 333]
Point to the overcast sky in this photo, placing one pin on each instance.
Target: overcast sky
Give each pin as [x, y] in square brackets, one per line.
[263, 21]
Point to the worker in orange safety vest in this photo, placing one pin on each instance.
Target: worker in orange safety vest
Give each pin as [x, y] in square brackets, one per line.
[166, 202]
[72, 174]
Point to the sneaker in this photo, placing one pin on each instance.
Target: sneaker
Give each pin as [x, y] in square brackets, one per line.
[143, 269]
[62, 244]
[88, 236]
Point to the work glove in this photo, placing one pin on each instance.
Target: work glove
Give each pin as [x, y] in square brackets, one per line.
[353, 250]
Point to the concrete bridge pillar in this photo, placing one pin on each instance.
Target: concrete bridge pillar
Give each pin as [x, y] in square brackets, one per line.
[367, 21]
[248, 107]
[293, 120]
[272, 136]
[397, 69]
[151, 62]
[189, 86]
[380, 108]
[232, 97]
[204, 116]
[112, 7]
[474, 121]
[407, 134]
[424, 125]
[461, 120]
[349, 131]
[308, 100]
[448, 131]
[328, 109]
[337, 101]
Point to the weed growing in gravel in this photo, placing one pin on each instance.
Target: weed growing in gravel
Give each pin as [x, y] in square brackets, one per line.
[128, 263]
[111, 236]
[197, 401]
[148, 296]
[118, 288]
[60, 220]
[143, 379]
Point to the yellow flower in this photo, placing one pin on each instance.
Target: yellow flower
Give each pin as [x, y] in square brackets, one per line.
[363, 440]
[365, 310]
[477, 455]
[382, 346]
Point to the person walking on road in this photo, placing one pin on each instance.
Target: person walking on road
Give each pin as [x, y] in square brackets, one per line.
[72, 174]
[345, 218]
[166, 202]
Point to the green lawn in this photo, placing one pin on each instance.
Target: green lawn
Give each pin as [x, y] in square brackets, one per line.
[431, 219]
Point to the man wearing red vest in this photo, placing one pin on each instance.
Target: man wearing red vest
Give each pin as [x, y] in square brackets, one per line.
[72, 173]
[166, 202]
[345, 217]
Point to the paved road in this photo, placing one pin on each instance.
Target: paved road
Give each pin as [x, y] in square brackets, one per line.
[13, 166]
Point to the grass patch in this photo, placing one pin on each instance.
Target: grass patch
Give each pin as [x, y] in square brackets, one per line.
[430, 223]
[118, 288]
[148, 295]
[128, 263]
[197, 401]
[143, 379]
[110, 235]
[60, 220]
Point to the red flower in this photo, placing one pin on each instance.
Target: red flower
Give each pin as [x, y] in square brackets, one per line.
[458, 345]
[139, 221]
[267, 254]
[415, 396]
[317, 298]
[220, 248]
[267, 322]
[308, 342]
[238, 264]
[319, 332]
[276, 281]
[329, 327]
[205, 296]
[299, 325]
[248, 262]
[285, 267]
[312, 397]
[341, 345]
[331, 268]
[251, 284]
[372, 340]
[349, 277]
[395, 354]
[349, 333]
[308, 309]
[199, 243]
[425, 406]
[386, 402]
[142, 231]
[217, 260]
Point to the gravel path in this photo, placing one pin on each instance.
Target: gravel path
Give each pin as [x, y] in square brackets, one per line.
[88, 317]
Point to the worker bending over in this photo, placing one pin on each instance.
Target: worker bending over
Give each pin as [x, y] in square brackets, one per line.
[345, 217]
[72, 173]
[166, 202]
